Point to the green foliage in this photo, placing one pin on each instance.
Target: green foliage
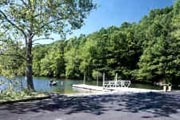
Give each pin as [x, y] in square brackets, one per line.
[146, 51]
[11, 94]
[11, 61]
[32, 20]
[176, 20]
[72, 61]
[44, 17]
[50, 63]
[96, 74]
[160, 58]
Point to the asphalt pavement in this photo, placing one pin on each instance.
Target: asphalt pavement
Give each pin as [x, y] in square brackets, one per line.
[135, 106]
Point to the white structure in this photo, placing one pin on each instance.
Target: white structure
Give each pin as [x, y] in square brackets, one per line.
[117, 83]
[106, 85]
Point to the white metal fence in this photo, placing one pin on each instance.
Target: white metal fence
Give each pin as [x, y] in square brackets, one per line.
[117, 83]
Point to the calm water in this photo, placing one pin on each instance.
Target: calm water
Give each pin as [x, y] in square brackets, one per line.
[63, 86]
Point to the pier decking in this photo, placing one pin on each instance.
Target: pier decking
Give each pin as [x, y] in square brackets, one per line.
[88, 87]
[107, 85]
[117, 89]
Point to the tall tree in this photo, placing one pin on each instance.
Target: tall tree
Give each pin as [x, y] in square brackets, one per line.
[11, 61]
[30, 19]
[176, 20]
[160, 59]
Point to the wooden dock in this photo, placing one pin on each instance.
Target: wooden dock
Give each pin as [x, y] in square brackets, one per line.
[88, 87]
[117, 89]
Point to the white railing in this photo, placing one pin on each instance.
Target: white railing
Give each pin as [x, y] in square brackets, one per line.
[117, 83]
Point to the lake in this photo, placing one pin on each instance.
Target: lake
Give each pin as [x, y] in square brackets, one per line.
[63, 86]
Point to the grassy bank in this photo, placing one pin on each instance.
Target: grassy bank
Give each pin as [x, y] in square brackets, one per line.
[13, 96]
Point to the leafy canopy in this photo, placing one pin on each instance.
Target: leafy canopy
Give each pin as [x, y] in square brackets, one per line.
[42, 17]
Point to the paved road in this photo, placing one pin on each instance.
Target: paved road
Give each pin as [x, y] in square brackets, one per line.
[137, 106]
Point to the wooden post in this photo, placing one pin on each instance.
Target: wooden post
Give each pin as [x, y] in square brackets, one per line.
[97, 80]
[116, 77]
[84, 80]
[164, 88]
[103, 79]
[169, 87]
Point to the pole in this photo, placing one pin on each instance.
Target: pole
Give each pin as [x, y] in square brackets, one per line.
[97, 80]
[103, 79]
[116, 77]
[84, 80]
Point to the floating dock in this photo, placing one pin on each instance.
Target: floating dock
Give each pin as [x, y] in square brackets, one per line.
[117, 89]
[88, 87]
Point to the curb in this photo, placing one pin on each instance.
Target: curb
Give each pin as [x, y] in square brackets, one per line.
[25, 100]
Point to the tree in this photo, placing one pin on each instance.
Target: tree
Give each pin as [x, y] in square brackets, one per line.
[176, 20]
[161, 57]
[30, 19]
[86, 55]
[39, 52]
[11, 61]
[72, 59]
[52, 65]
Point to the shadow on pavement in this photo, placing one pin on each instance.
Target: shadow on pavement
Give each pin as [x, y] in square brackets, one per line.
[156, 104]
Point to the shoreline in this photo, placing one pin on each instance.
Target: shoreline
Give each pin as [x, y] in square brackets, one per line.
[116, 91]
[89, 93]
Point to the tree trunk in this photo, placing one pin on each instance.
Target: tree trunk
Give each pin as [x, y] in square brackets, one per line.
[29, 77]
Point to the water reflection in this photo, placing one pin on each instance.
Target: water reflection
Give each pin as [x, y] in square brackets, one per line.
[63, 86]
[41, 84]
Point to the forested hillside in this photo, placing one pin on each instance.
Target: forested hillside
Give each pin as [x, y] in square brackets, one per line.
[147, 51]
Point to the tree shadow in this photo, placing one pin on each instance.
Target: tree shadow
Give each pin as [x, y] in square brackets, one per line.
[158, 104]
[154, 104]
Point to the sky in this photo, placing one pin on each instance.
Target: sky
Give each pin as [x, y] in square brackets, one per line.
[115, 12]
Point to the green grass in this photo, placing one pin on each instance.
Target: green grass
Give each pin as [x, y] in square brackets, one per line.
[11, 95]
